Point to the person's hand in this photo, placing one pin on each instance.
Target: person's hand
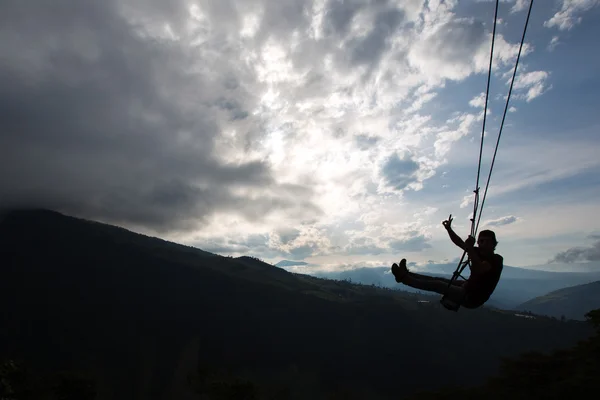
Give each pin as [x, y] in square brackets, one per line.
[447, 223]
[470, 242]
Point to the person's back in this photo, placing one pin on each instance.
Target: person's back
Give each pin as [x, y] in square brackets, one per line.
[480, 285]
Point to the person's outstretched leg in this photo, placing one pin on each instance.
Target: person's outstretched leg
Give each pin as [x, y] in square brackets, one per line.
[429, 278]
[428, 283]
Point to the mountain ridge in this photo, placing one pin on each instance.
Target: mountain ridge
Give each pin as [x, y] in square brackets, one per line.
[96, 300]
[570, 302]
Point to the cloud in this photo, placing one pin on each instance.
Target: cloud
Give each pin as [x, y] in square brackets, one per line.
[400, 171]
[425, 212]
[569, 14]
[467, 200]
[511, 219]
[387, 238]
[333, 270]
[284, 129]
[287, 263]
[448, 134]
[519, 5]
[256, 243]
[478, 101]
[455, 49]
[553, 43]
[533, 82]
[365, 142]
[415, 243]
[420, 101]
[121, 126]
[287, 235]
[575, 254]
[290, 243]
[307, 241]
[525, 172]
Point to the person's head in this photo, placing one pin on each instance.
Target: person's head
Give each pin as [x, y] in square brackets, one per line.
[487, 240]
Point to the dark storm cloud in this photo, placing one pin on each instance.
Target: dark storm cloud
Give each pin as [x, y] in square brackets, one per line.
[287, 235]
[575, 254]
[368, 50]
[379, 18]
[339, 15]
[101, 119]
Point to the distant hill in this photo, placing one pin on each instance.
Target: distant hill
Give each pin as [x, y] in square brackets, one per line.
[517, 285]
[142, 316]
[571, 302]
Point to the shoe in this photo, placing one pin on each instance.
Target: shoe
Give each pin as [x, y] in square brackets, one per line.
[400, 271]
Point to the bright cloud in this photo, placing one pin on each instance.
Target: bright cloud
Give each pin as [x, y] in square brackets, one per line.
[519, 5]
[534, 83]
[570, 13]
[478, 101]
[507, 220]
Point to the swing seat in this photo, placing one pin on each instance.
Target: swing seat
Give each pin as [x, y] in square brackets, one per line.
[450, 304]
[447, 302]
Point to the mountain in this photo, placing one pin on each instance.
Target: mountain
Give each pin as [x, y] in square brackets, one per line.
[516, 286]
[571, 302]
[143, 318]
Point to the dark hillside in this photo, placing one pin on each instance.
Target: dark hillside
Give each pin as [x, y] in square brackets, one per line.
[563, 374]
[138, 314]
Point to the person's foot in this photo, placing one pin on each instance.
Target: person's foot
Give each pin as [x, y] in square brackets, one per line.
[400, 271]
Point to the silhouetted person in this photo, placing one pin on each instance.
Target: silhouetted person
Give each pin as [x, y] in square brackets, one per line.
[486, 268]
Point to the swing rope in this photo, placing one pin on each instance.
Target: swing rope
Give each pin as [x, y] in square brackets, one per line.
[463, 264]
[505, 111]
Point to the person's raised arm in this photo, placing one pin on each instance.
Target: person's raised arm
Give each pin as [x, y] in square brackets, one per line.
[453, 236]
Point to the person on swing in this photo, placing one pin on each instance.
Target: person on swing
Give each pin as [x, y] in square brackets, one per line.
[486, 268]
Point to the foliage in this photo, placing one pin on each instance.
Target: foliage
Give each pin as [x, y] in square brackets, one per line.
[222, 385]
[17, 382]
[565, 373]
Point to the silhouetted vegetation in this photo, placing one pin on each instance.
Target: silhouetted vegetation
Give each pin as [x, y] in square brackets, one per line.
[571, 373]
[18, 382]
[565, 373]
[140, 314]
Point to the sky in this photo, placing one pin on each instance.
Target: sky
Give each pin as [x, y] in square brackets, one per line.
[327, 131]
